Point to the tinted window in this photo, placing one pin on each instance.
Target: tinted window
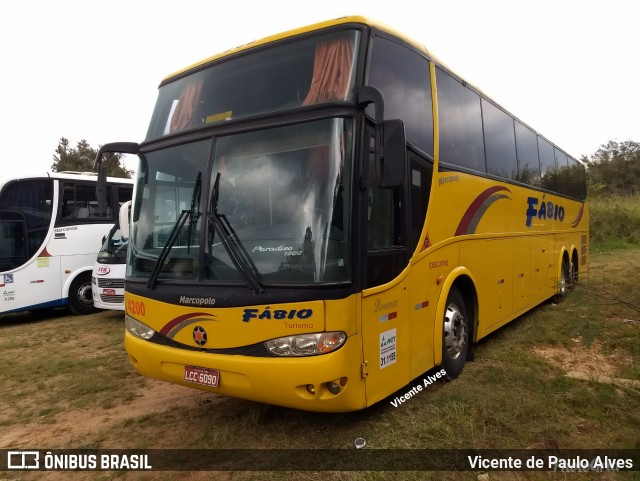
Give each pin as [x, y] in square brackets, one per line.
[547, 165]
[579, 177]
[387, 253]
[79, 203]
[293, 74]
[25, 213]
[403, 78]
[565, 184]
[499, 142]
[420, 173]
[124, 193]
[527, 148]
[460, 118]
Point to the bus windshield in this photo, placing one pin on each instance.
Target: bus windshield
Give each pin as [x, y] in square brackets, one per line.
[282, 194]
[312, 71]
[114, 248]
[25, 214]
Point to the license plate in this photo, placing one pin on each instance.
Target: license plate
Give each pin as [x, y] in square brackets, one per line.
[108, 292]
[202, 376]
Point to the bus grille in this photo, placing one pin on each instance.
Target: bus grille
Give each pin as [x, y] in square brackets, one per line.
[112, 299]
[111, 283]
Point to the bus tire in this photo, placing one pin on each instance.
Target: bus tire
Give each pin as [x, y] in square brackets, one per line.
[81, 296]
[455, 334]
[573, 270]
[564, 283]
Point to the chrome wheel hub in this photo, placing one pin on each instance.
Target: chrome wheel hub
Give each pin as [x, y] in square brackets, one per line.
[455, 331]
[85, 295]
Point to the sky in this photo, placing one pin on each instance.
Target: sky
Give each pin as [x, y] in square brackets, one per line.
[87, 69]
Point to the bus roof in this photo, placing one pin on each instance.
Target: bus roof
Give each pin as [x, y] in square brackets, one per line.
[85, 176]
[354, 19]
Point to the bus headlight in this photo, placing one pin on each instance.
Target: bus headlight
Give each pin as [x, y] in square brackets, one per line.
[137, 328]
[306, 344]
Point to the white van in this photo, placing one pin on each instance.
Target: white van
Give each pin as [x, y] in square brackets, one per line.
[107, 280]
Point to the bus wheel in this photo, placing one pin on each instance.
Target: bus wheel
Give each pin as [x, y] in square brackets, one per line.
[573, 272]
[565, 281]
[455, 334]
[80, 295]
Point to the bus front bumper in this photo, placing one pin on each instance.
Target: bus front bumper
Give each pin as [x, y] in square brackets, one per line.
[307, 383]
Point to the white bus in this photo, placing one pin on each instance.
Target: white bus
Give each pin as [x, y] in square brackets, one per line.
[51, 227]
[107, 280]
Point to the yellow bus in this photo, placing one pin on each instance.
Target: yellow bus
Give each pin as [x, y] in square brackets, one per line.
[324, 215]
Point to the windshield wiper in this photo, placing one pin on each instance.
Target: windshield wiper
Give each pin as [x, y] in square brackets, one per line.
[195, 203]
[192, 215]
[231, 242]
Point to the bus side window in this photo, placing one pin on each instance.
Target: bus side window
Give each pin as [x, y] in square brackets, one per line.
[460, 117]
[402, 76]
[79, 202]
[420, 173]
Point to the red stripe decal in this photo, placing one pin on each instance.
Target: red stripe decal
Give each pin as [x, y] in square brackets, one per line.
[473, 208]
[165, 330]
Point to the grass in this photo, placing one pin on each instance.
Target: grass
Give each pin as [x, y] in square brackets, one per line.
[53, 364]
[614, 222]
[510, 397]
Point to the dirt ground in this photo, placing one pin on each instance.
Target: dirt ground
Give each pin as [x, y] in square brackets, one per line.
[102, 340]
[589, 360]
[63, 428]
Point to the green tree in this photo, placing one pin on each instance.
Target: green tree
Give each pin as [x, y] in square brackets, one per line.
[81, 158]
[615, 168]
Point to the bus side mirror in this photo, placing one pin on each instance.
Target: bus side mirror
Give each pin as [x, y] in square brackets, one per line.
[390, 148]
[123, 220]
[101, 185]
[391, 165]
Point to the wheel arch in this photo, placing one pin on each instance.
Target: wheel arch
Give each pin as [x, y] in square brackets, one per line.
[565, 254]
[72, 277]
[564, 259]
[463, 280]
[575, 262]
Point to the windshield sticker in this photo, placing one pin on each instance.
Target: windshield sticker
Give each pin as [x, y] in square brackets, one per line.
[221, 116]
[288, 251]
